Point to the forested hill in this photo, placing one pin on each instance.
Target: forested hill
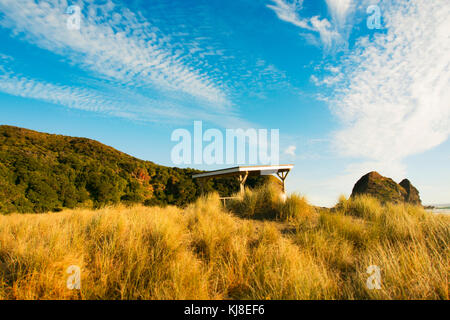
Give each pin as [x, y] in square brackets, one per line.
[42, 172]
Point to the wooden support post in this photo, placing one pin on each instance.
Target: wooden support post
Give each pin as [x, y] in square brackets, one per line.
[282, 175]
[242, 179]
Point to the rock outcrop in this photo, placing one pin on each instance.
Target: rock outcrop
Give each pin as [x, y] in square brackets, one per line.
[385, 189]
[412, 194]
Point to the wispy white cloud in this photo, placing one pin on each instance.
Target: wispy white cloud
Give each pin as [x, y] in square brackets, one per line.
[328, 81]
[112, 42]
[185, 65]
[84, 99]
[112, 101]
[330, 33]
[394, 100]
[393, 90]
[288, 11]
[5, 58]
[290, 150]
[340, 11]
[61, 95]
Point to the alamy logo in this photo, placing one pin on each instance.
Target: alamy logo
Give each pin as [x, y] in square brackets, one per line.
[74, 20]
[374, 20]
[232, 150]
[374, 280]
[74, 280]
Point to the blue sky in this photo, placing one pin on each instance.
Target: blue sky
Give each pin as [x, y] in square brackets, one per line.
[346, 98]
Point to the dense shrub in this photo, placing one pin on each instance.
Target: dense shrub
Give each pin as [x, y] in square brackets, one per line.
[41, 172]
[267, 202]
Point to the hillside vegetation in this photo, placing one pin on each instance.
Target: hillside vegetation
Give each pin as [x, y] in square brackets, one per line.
[255, 248]
[42, 172]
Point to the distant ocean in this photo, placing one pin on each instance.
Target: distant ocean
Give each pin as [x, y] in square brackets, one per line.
[441, 208]
[446, 211]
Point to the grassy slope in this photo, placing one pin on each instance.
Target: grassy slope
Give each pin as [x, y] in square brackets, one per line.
[205, 251]
[42, 172]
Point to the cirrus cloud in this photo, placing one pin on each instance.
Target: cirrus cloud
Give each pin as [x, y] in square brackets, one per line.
[394, 98]
[331, 34]
[113, 42]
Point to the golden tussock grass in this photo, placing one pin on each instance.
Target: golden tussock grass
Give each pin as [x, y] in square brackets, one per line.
[258, 247]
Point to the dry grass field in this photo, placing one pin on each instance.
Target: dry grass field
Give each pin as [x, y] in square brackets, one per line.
[256, 247]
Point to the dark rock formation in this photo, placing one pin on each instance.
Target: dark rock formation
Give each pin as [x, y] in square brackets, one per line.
[412, 194]
[382, 188]
[385, 189]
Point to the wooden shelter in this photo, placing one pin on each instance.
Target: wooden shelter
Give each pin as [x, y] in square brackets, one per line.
[242, 172]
